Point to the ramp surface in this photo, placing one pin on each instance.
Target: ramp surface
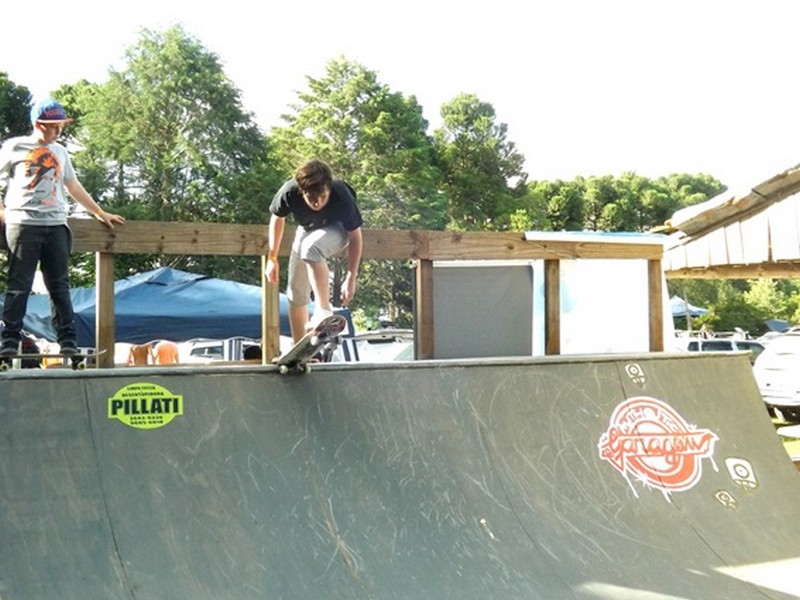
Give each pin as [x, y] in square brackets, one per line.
[635, 477]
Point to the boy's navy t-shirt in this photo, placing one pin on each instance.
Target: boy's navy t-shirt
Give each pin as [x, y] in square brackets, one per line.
[341, 207]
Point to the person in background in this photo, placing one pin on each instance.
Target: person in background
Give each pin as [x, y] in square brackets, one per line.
[29, 346]
[140, 354]
[328, 221]
[252, 353]
[37, 174]
[165, 352]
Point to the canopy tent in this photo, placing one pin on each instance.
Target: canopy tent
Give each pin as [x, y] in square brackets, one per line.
[778, 325]
[164, 304]
[681, 307]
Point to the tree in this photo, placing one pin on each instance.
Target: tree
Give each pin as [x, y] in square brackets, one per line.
[482, 169]
[680, 190]
[15, 108]
[553, 205]
[166, 139]
[600, 198]
[375, 139]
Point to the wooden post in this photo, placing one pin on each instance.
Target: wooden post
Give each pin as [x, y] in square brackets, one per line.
[270, 317]
[656, 301]
[552, 306]
[105, 332]
[423, 311]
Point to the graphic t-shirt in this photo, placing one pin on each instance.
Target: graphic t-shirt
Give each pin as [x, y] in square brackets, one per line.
[34, 175]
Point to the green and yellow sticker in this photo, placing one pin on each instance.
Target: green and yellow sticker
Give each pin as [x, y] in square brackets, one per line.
[145, 406]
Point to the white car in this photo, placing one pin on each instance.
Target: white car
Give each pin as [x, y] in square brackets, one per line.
[724, 345]
[777, 373]
[380, 345]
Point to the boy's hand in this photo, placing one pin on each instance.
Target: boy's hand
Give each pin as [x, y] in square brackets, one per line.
[109, 219]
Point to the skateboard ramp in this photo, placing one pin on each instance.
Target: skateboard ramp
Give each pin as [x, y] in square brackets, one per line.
[637, 477]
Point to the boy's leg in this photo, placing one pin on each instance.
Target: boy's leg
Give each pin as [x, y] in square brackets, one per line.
[24, 244]
[315, 249]
[319, 275]
[55, 272]
[298, 290]
[298, 317]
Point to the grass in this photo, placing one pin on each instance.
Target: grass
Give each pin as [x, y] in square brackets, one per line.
[791, 444]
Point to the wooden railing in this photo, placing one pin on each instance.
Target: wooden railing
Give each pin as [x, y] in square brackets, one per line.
[423, 247]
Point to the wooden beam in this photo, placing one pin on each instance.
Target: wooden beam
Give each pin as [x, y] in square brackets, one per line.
[423, 311]
[146, 237]
[270, 317]
[552, 307]
[105, 331]
[150, 237]
[780, 270]
[513, 246]
[656, 305]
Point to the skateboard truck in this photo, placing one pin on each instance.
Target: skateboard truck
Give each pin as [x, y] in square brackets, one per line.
[78, 361]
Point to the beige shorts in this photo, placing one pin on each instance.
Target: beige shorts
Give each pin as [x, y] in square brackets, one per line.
[317, 245]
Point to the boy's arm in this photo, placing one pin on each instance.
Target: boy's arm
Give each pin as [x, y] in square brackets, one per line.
[354, 250]
[275, 237]
[82, 197]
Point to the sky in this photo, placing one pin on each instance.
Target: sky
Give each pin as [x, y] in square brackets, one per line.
[585, 87]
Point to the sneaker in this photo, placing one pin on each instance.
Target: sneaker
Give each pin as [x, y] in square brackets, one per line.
[68, 347]
[9, 348]
[319, 315]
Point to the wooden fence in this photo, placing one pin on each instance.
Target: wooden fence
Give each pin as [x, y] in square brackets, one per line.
[422, 247]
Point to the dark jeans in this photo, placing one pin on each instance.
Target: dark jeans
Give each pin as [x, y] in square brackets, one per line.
[49, 247]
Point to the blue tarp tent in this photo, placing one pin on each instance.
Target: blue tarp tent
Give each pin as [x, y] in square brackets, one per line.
[681, 307]
[164, 304]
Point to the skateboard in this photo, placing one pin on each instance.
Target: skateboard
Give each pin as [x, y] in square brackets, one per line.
[77, 361]
[320, 341]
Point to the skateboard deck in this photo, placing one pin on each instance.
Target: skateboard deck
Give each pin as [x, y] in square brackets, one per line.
[78, 361]
[322, 339]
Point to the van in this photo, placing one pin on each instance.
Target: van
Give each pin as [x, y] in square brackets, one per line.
[726, 345]
[777, 373]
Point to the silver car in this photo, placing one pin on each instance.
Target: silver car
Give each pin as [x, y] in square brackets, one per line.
[777, 373]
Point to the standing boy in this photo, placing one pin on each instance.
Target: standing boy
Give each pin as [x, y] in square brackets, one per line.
[328, 221]
[39, 175]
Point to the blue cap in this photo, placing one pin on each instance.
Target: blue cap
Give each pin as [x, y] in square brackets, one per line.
[49, 111]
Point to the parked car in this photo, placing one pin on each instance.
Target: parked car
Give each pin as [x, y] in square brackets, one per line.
[380, 345]
[725, 345]
[202, 350]
[777, 373]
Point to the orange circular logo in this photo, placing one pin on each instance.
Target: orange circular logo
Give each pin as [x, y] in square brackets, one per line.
[650, 442]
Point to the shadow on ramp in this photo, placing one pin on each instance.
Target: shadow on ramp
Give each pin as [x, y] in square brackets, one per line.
[638, 477]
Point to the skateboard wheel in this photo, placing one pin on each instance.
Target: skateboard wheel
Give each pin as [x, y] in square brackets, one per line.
[314, 340]
[283, 369]
[5, 366]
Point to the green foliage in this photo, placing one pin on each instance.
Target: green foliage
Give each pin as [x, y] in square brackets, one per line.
[166, 139]
[15, 108]
[479, 164]
[375, 139]
[627, 203]
[733, 303]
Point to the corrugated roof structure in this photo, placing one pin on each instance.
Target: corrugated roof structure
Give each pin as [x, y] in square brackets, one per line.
[755, 234]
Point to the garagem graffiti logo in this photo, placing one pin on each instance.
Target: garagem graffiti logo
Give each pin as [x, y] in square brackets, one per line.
[651, 443]
[145, 405]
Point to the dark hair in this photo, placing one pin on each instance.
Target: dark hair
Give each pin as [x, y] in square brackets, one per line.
[314, 177]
